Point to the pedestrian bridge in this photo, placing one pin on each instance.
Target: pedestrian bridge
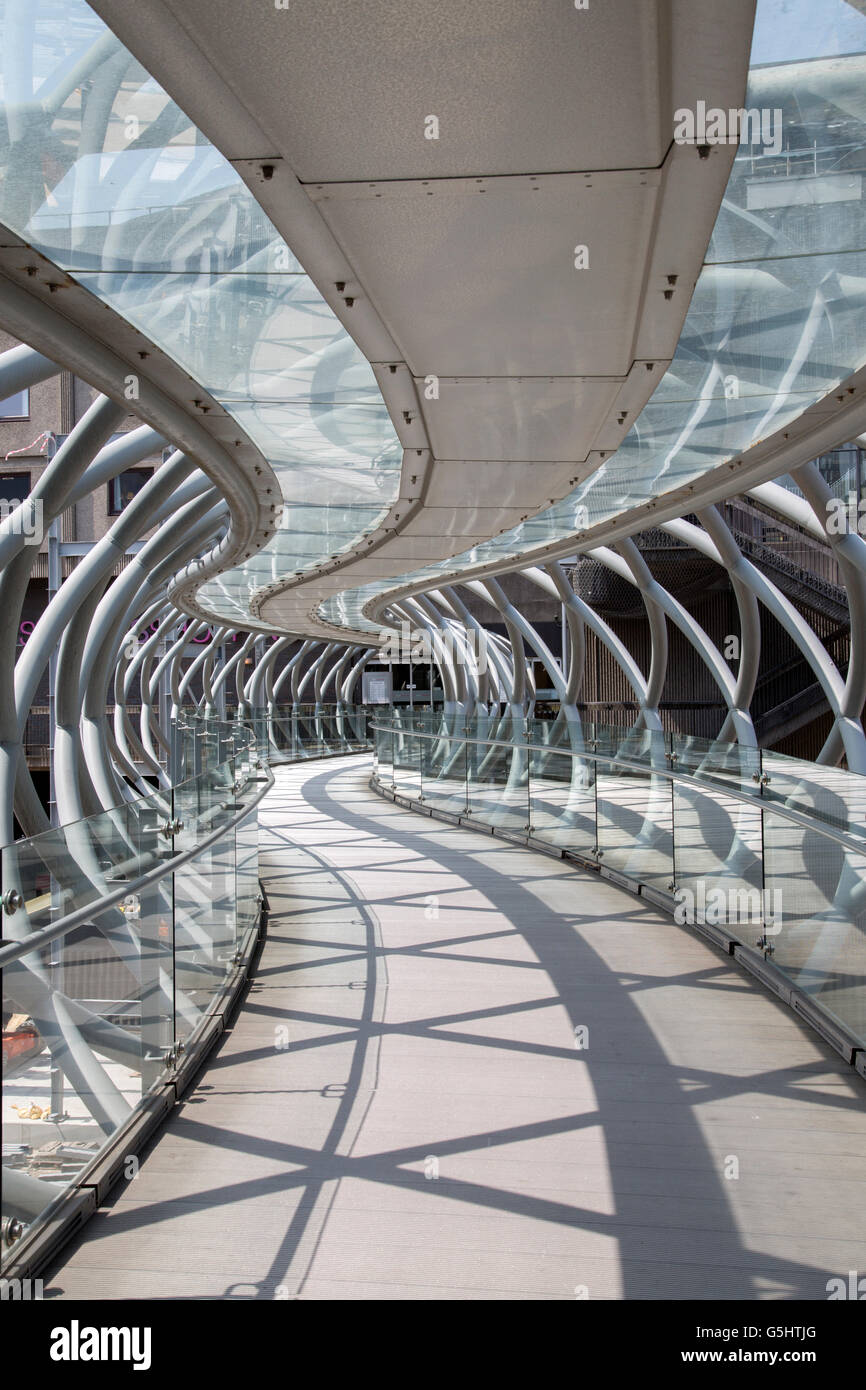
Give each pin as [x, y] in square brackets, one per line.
[463, 1001]
[466, 1069]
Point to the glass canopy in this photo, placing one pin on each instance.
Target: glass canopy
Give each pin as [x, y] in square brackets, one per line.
[105, 175]
[778, 316]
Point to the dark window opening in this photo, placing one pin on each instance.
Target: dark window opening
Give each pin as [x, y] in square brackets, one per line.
[124, 487]
[14, 487]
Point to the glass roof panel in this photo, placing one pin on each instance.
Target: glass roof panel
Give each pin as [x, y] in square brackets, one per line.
[106, 175]
[778, 317]
[251, 337]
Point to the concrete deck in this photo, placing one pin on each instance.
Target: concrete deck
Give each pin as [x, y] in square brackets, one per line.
[402, 1110]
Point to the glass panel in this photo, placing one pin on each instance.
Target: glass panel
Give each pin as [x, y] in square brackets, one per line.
[284, 731]
[329, 731]
[87, 1017]
[717, 853]
[154, 221]
[725, 764]
[635, 814]
[407, 762]
[202, 804]
[247, 878]
[156, 928]
[562, 800]
[90, 1018]
[498, 785]
[443, 771]
[385, 756]
[352, 726]
[206, 917]
[823, 793]
[816, 900]
[253, 337]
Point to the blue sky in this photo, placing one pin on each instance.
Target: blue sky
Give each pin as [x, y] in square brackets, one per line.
[787, 30]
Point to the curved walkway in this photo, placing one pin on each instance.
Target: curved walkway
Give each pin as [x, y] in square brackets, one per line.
[466, 1070]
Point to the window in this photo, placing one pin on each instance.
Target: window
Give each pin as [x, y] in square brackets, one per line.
[16, 407]
[124, 487]
[14, 487]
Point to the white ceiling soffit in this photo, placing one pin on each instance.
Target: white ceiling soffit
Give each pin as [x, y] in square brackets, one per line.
[458, 253]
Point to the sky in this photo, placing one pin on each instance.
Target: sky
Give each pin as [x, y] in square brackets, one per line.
[789, 30]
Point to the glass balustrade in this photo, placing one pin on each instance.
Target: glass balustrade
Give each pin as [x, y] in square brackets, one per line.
[769, 849]
[140, 917]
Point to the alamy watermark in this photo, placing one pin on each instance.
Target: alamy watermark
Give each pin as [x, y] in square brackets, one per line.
[853, 1288]
[711, 125]
[415, 646]
[714, 906]
[24, 519]
[21, 1290]
[846, 515]
[77, 1343]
